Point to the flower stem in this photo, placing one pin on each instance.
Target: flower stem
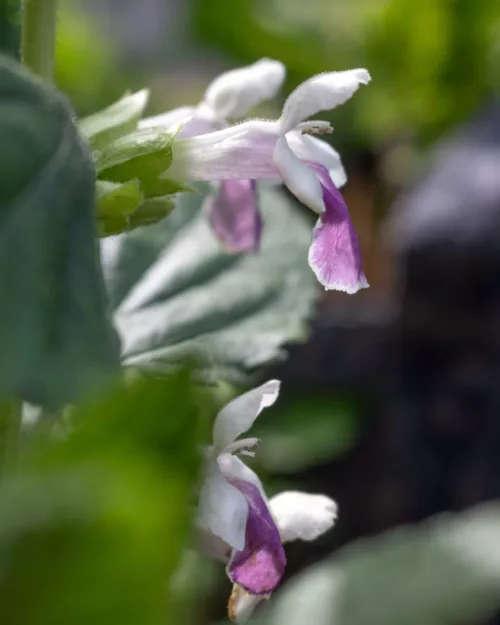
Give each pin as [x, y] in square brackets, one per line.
[38, 36]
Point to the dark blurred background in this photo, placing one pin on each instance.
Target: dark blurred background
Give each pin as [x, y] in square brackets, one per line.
[392, 405]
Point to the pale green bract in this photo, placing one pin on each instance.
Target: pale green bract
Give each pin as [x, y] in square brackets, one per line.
[131, 190]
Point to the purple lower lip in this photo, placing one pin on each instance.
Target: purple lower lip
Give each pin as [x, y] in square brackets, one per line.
[260, 566]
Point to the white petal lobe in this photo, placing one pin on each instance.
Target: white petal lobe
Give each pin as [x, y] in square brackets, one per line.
[223, 509]
[320, 93]
[233, 93]
[301, 515]
[317, 151]
[239, 415]
[234, 469]
[168, 119]
[298, 177]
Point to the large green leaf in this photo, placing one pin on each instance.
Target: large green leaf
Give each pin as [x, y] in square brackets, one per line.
[177, 293]
[93, 525]
[444, 572]
[56, 339]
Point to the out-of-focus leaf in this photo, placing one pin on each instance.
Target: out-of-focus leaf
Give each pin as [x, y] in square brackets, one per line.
[115, 203]
[116, 120]
[445, 571]
[94, 526]
[192, 585]
[142, 155]
[9, 27]
[56, 339]
[178, 293]
[306, 431]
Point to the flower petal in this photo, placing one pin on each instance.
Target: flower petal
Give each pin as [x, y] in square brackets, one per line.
[168, 119]
[259, 567]
[238, 416]
[243, 151]
[242, 604]
[234, 469]
[298, 177]
[334, 255]
[233, 93]
[317, 151]
[320, 93]
[301, 515]
[222, 508]
[234, 215]
[193, 123]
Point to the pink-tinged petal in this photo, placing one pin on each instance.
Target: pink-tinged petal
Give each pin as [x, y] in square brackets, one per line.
[320, 93]
[233, 93]
[234, 215]
[243, 151]
[260, 566]
[168, 119]
[191, 120]
[334, 255]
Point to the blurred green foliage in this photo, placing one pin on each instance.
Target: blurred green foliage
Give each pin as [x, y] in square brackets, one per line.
[9, 27]
[306, 430]
[86, 61]
[432, 62]
[93, 526]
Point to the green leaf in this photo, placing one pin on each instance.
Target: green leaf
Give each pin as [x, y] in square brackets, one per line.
[56, 340]
[446, 570]
[142, 155]
[178, 293]
[115, 121]
[94, 526]
[115, 204]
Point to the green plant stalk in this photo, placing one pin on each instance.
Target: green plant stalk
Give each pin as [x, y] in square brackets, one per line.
[38, 36]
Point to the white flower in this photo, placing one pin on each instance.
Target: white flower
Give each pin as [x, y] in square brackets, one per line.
[238, 525]
[229, 97]
[233, 211]
[310, 168]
